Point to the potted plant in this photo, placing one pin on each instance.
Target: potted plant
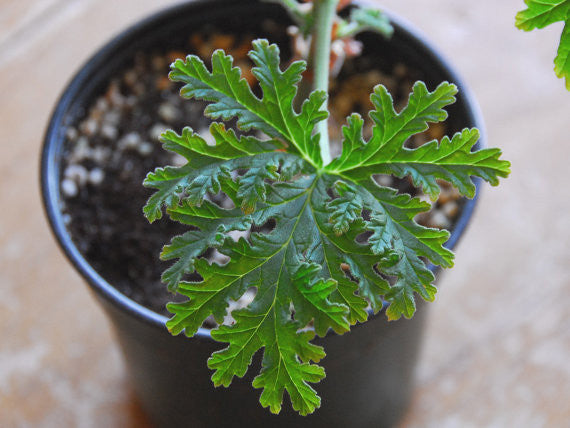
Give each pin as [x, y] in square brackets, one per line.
[384, 261]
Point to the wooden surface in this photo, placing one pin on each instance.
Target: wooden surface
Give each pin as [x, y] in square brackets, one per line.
[498, 342]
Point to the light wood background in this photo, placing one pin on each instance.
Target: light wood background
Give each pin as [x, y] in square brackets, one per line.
[497, 349]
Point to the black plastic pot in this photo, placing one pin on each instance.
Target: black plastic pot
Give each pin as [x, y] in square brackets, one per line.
[369, 370]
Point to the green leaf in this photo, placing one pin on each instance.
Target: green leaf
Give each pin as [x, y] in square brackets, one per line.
[541, 13]
[451, 160]
[186, 248]
[252, 185]
[311, 301]
[321, 246]
[392, 129]
[273, 114]
[169, 183]
[409, 241]
[381, 240]
[345, 209]
[562, 60]
[207, 167]
[282, 371]
[365, 19]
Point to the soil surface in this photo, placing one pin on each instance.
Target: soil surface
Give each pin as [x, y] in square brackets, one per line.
[110, 150]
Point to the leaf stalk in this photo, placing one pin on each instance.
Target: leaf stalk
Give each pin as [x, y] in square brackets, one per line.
[322, 34]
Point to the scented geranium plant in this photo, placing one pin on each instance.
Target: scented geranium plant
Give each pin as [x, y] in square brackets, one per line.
[323, 245]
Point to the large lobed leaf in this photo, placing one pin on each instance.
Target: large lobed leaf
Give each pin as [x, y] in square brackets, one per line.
[541, 13]
[231, 96]
[325, 243]
[451, 160]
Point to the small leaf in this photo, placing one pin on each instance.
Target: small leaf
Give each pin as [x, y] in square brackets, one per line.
[380, 240]
[562, 60]
[371, 19]
[186, 248]
[282, 371]
[206, 168]
[169, 183]
[409, 241]
[541, 13]
[204, 184]
[252, 185]
[345, 209]
[312, 301]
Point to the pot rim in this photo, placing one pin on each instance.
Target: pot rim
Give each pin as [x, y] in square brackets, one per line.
[49, 165]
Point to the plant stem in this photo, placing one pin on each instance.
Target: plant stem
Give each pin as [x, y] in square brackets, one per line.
[322, 33]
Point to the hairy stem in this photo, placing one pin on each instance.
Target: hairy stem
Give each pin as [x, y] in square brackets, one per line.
[322, 33]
